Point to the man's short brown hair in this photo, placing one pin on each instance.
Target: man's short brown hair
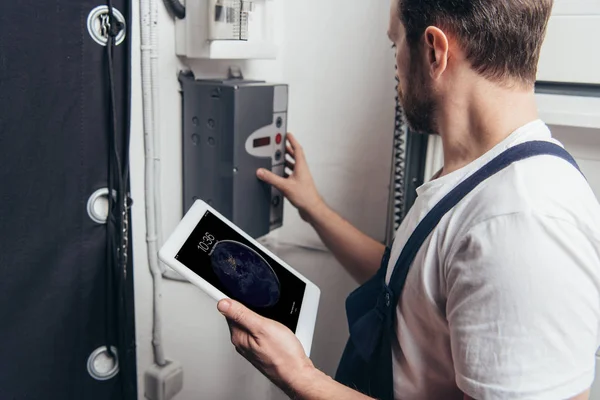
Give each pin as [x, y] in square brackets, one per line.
[501, 38]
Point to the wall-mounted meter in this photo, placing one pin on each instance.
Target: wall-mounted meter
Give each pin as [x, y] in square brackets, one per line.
[227, 29]
[228, 19]
[231, 128]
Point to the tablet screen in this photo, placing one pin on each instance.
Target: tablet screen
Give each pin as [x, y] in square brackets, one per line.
[243, 272]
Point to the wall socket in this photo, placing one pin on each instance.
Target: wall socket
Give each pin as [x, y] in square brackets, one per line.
[163, 382]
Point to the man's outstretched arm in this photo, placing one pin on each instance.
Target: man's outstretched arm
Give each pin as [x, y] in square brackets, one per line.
[358, 253]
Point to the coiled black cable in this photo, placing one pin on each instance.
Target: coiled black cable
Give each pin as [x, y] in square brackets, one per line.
[399, 162]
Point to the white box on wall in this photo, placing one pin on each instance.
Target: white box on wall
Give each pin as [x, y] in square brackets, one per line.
[568, 54]
[193, 38]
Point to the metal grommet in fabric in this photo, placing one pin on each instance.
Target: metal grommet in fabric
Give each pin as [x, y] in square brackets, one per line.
[97, 205]
[98, 25]
[101, 366]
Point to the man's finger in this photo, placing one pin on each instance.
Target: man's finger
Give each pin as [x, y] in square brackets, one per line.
[272, 179]
[238, 336]
[240, 315]
[295, 145]
[289, 150]
[290, 165]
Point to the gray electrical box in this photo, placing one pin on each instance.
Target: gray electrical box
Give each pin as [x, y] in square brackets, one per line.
[231, 128]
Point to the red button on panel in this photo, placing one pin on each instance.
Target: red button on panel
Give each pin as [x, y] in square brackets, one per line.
[278, 138]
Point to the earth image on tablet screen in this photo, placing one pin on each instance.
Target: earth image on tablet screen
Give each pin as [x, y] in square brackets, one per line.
[247, 275]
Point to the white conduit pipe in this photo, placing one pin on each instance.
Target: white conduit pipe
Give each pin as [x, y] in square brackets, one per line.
[166, 272]
[148, 10]
[155, 122]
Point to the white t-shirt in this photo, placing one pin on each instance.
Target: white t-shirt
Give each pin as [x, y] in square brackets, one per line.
[503, 299]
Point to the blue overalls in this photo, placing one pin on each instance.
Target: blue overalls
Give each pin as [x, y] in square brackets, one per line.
[366, 363]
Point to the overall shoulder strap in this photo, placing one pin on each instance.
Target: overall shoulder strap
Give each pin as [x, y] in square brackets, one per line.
[431, 220]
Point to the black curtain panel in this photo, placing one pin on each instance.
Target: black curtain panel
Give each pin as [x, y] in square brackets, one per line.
[55, 122]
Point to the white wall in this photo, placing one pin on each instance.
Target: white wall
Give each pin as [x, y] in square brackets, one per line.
[339, 66]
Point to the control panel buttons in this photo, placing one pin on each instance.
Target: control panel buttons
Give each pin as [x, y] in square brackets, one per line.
[278, 138]
[279, 122]
[278, 155]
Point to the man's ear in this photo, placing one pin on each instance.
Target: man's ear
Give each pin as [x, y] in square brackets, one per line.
[437, 50]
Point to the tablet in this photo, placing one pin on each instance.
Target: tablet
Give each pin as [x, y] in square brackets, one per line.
[222, 260]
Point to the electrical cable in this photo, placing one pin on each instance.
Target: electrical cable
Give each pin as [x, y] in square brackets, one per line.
[398, 178]
[399, 161]
[117, 219]
[110, 222]
[175, 8]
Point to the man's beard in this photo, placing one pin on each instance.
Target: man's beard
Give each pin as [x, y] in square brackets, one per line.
[417, 102]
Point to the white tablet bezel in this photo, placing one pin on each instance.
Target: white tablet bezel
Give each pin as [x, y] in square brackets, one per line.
[310, 303]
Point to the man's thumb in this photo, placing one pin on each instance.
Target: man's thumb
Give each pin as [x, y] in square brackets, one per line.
[271, 178]
[237, 313]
